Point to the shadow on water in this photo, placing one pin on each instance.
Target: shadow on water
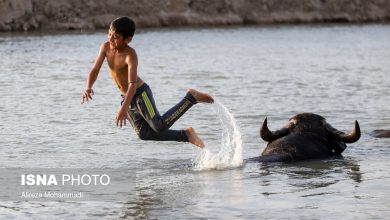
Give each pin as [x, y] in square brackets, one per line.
[154, 186]
[308, 175]
[138, 208]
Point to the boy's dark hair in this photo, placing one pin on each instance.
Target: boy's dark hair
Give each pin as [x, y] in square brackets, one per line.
[123, 26]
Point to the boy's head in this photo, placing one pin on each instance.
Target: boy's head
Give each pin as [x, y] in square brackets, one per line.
[123, 26]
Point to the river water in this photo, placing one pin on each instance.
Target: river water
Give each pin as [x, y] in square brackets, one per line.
[341, 72]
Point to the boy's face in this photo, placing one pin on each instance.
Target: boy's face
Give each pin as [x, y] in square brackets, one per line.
[117, 41]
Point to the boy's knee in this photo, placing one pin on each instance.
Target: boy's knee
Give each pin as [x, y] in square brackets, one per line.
[159, 127]
[144, 136]
[148, 135]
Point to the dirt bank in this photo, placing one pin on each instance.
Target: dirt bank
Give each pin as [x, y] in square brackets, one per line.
[94, 14]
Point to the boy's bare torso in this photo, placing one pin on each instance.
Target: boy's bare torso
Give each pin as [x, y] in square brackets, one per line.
[119, 69]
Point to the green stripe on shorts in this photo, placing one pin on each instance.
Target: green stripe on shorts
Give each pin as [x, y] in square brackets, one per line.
[148, 105]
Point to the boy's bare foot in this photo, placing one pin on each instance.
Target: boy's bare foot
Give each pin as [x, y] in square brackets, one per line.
[193, 137]
[200, 96]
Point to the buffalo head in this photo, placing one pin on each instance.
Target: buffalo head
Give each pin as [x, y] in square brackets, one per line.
[305, 136]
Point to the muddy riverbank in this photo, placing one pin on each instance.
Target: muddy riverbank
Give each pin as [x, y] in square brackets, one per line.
[17, 15]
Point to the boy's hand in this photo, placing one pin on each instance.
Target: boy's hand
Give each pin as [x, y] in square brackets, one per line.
[120, 118]
[87, 94]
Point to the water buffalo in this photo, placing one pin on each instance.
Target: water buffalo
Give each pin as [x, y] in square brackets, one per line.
[305, 136]
[381, 133]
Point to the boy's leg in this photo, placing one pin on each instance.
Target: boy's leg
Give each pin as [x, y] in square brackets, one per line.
[146, 105]
[192, 97]
[145, 132]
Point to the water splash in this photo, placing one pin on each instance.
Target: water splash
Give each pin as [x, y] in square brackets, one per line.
[230, 152]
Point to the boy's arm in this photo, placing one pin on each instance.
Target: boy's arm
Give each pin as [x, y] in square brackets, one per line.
[132, 62]
[88, 92]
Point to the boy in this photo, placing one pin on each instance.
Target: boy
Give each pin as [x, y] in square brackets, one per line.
[138, 104]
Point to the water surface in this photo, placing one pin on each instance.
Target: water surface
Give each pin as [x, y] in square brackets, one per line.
[340, 72]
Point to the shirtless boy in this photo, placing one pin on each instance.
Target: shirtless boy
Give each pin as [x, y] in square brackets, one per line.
[138, 105]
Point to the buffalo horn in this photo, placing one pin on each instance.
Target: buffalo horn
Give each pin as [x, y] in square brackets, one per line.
[351, 137]
[270, 136]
